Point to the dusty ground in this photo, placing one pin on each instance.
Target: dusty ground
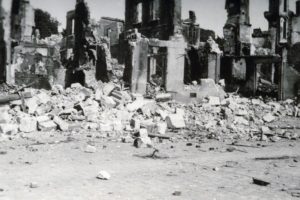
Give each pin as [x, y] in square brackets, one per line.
[61, 169]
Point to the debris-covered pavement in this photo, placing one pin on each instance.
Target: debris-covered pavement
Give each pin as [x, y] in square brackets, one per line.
[77, 135]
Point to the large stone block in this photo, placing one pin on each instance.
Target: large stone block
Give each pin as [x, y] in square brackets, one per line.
[175, 121]
[47, 126]
[27, 124]
[62, 125]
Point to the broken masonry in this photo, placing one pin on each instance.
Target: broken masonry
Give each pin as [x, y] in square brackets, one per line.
[160, 50]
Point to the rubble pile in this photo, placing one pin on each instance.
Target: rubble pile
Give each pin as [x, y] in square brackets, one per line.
[112, 112]
[236, 117]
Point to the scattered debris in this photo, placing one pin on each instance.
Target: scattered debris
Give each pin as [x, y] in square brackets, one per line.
[90, 149]
[260, 182]
[33, 185]
[103, 175]
[177, 193]
[278, 158]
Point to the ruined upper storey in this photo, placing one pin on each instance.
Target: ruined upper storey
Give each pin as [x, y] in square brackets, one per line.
[154, 18]
[238, 11]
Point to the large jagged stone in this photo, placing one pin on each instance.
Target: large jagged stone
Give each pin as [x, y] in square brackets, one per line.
[108, 88]
[47, 126]
[108, 102]
[62, 125]
[214, 101]
[137, 104]
[27, 124]
[269, 118]
[175, 121]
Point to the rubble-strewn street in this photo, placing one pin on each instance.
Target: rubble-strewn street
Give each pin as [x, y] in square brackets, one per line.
[149, 105]
[205, 149]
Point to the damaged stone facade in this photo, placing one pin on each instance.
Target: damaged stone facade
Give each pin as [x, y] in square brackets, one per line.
[111, 28]
[268, 56]
[161, 49]
[22, 20]
[36, 65]
[17, 22]
[237, 30]
[34, 62]
[85, 54]
[154, 19]
[162, 54]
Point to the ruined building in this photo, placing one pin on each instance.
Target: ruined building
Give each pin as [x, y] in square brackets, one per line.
[270, 57]
[284, 39]
[111, 28]
[22, 20]
[154, 44]
[160, 48]
[25, 60]
[86, 56]
[237, 30]
[203, 54]
[154, 19]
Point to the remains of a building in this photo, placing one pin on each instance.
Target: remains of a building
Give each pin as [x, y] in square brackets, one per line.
[87, 58]
[28, 60]
[245, 57]
[155, 45]
[22, 21]
[111, 28]
[161, 49]
[203, 54]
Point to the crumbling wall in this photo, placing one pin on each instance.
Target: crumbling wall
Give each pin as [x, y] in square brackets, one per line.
[160, 19]
[103, 63]
[237, 28]
[191, 30]
[90, 58]
[22, 20]
[112, 29]
[36, 65]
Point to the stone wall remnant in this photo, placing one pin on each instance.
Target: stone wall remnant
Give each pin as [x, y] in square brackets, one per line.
[154, 19]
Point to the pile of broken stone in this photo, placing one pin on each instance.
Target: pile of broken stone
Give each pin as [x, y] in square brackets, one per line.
[236, 117]
[107, 109]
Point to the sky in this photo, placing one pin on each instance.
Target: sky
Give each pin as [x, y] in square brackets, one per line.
[211, 14]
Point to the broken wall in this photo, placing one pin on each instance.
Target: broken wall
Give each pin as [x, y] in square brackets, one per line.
[36, 64]
[191, 30]
[22, 20]
[137, 65]
[237, 30]
[112, 29]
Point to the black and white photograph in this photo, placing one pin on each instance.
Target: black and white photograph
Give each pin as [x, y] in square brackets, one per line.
[149, 99]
